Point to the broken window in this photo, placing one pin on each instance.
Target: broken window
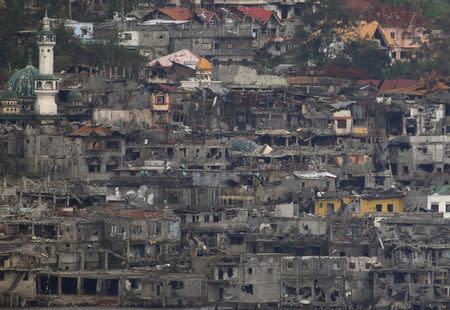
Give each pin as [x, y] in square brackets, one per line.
[351, 265]
[334, 296]
[173, 198]
[399, 277]
[176, 285]
[112, 164]
[229, 272]
[341, 123]
[247, 289]
[133, 283]
[160, 99]
[237, 239]
[250, 271]
[378, 208]
[93, 145]
[390, 207]
[94, 166]
[447, 207]
[290, 265]
[206, 218]
[112, 145]
[434, 207]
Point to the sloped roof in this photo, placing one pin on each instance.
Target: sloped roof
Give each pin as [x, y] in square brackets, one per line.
[93, 131]
[177, 13]
[259, 14]
[205, 15]
[429, 85]
[182, 57]
[388, 85]
[140, 13]
[365, 30]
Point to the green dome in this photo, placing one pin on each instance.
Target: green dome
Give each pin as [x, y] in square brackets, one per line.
[74, 95]
[22, 82]
[9, 95]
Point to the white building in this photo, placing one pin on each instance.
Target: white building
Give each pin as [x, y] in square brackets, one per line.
[46, 84]
[440, 203]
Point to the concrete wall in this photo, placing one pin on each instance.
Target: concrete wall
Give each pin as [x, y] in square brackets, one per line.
[245, 76]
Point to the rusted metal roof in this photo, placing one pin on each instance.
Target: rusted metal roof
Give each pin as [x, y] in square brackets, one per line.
[388, 85]
[176, 13]
[258, 14]
[93, 131]
[425, 86]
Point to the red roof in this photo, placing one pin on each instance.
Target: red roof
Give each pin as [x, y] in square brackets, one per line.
[176, 13]
[396, 84]
[386, 15]
[373, 83]
[93, 131]
[206, 15]
[258, 14]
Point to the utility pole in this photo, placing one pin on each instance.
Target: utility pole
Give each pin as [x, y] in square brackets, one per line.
[70, 9]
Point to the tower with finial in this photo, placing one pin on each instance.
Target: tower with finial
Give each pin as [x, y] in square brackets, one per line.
[46, 84]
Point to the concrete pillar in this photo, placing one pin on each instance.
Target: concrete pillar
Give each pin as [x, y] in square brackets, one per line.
[106, 261]
[59, 290]
[120, 293]
[79, 292]
[82, 260]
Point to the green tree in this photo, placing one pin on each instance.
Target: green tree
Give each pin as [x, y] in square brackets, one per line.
[364, 55]
[321, 21]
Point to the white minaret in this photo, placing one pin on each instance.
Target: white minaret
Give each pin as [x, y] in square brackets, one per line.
[46, 84]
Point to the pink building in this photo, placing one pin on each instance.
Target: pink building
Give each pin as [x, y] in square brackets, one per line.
[406, 28]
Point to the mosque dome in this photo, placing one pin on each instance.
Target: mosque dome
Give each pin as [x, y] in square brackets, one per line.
[74, 95]
[203, 66]
[22, 82]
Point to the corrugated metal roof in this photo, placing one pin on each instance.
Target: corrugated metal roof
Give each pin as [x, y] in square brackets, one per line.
[93, 131]
[181, 57]
[258, 14]
[176, 13]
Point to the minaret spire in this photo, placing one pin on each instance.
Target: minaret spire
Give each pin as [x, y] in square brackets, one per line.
[46, 85]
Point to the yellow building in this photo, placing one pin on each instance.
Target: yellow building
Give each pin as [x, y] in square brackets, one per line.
[387, 202]
[383, 202]
[9, 102]
[323, 206]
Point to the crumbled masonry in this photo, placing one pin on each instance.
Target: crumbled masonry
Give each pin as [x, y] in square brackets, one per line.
[191, 184]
